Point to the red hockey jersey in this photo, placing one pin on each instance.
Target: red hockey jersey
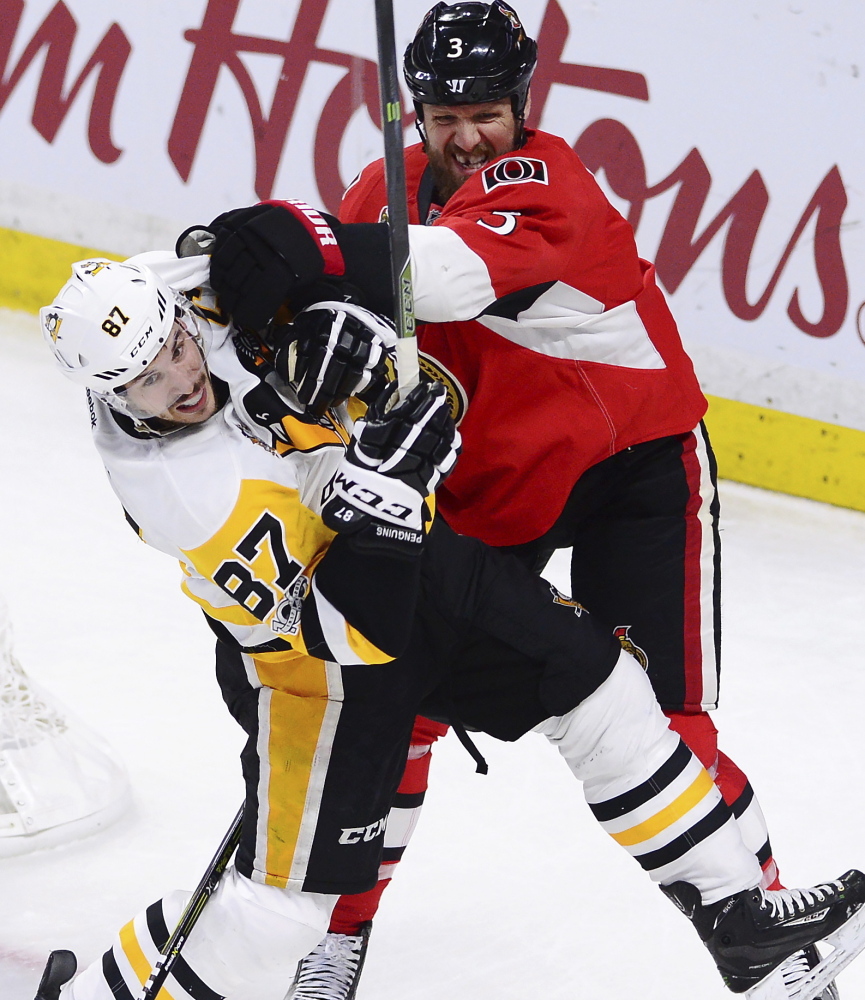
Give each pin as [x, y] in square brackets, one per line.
[535, 308]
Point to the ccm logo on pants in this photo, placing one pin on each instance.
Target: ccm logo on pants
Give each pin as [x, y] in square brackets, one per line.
[356, 834]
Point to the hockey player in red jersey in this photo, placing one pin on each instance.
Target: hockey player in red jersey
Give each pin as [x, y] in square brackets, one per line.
[578, 407]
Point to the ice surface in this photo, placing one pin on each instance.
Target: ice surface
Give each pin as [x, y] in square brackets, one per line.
[509, 890]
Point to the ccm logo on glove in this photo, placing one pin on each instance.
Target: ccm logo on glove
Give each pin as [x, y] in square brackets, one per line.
[374, 502]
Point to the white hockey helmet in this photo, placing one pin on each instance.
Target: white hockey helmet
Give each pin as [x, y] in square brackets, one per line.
[110, 322]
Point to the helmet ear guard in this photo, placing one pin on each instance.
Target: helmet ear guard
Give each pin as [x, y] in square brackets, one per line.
[470, 53]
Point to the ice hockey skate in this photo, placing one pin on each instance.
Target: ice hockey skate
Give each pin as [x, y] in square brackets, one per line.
[59, 969]
[753, 934]
[332, 970]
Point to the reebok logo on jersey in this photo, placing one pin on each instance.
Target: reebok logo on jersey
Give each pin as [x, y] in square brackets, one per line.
[358, 834]
[514, 170]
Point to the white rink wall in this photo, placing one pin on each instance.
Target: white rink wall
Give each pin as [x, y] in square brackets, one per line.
[756, 105]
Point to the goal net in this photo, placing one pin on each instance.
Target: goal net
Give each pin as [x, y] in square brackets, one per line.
[58, 779]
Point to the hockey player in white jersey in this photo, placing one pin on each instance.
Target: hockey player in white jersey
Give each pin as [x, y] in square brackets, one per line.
[342, 608]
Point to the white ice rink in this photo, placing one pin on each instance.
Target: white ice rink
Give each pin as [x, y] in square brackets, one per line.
[509, 890]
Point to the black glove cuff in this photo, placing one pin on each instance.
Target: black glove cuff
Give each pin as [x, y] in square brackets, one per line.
[369, 535]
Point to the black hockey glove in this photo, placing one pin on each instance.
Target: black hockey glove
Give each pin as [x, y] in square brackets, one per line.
[395, 459]
[334, 350]
[267, 254]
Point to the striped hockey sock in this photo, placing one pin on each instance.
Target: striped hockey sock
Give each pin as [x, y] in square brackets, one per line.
[648, 791]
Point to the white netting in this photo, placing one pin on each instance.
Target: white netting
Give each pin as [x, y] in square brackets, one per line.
[58, 779]
[26, 717]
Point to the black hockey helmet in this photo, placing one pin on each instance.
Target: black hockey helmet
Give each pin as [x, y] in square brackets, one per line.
[468, 53]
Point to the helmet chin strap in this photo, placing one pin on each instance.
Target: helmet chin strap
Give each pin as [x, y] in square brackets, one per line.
[418, 121]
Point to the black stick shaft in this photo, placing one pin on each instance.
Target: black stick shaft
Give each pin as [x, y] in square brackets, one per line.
[397, 204]
[206, 888]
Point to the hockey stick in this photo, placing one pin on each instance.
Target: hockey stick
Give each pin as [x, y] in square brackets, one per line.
[205, 889]
[397, 203]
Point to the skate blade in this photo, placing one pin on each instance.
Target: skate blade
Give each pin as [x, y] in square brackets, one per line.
[846, 943]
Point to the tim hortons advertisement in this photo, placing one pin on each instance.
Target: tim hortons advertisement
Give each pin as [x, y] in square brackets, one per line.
[730, 135]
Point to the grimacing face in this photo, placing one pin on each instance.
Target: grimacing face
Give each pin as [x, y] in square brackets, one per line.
[461, 139]
[176, 386]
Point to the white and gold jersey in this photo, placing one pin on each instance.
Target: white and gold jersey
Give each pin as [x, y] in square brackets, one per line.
[237, 500]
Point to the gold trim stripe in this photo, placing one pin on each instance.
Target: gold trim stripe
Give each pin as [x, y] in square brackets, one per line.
[667, 816]
[298, 704]
[137, 959]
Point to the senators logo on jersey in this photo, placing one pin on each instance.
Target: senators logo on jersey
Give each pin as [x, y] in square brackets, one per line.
[568, 602]
[629, 646]
[514, 170]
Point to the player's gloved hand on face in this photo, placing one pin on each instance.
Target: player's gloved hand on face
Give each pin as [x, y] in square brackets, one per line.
[266, 254]
[395, 459]
[334, 350]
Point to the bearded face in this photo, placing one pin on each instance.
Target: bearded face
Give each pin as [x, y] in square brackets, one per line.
[461, 139]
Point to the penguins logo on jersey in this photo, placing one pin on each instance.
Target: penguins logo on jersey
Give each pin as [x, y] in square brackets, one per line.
[457, 399]
[568, 602]
[514, 170]
[629, 646]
